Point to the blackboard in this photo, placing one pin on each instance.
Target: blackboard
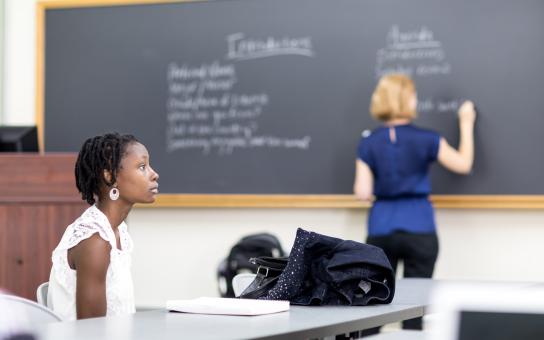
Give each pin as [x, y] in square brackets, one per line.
[271, 96]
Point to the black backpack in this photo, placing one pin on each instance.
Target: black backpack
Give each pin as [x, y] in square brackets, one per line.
[237, 261]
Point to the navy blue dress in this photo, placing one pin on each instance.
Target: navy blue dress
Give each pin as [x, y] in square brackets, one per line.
[401, 179]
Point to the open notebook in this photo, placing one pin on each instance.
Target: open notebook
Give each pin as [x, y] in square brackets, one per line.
[227, 306]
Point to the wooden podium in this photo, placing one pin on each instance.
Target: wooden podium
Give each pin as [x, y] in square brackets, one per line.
[38, 200]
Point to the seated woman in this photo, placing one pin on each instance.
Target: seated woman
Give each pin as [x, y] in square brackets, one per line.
[91, 275]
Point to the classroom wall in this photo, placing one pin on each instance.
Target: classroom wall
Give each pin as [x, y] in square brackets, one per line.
[1, 59]
[177, 250]
[19, 62]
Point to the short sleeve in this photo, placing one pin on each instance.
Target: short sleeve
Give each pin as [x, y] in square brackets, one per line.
[90, 222]
[434, 145]
[363, 151]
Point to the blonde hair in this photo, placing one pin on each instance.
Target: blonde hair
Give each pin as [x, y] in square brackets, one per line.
[391, 98]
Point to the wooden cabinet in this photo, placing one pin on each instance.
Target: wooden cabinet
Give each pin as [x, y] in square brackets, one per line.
[38, 200]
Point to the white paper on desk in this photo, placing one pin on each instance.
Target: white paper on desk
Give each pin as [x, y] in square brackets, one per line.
[227, 306]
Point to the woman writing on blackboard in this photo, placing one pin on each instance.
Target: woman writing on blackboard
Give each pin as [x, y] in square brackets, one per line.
[91, 275]
[393, 165]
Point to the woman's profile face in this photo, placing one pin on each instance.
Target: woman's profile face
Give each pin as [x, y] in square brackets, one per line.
[136, 180]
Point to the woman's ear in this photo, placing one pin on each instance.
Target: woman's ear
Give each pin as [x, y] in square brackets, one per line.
[107, 177]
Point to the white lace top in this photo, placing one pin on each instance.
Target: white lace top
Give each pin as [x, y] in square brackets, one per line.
[61, 295]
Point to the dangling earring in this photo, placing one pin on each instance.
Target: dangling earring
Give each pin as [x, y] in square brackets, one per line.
[114, 194]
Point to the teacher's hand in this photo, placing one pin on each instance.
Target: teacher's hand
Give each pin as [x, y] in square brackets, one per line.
[467, 113]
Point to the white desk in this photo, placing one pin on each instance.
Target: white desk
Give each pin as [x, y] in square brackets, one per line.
[299, 322]
[418, 291]
[411, 301]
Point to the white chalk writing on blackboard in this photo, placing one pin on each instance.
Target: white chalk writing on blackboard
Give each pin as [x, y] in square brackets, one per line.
[204, 112]
[226, 146]
[419, 38]
[241, 48]
[438, 105]
[413, 52]
[213, 70]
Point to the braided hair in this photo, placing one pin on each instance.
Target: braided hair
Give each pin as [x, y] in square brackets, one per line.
[96, 155]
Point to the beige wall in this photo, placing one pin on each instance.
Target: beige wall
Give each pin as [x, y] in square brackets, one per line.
[2, 23]
[177, 250]
[19, 62]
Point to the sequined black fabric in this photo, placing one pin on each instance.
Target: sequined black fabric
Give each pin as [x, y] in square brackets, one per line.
[324, 270]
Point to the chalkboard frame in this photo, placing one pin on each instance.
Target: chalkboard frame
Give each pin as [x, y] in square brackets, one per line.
[249, 201]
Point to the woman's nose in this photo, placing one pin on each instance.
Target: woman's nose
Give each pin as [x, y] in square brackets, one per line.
[154, 175]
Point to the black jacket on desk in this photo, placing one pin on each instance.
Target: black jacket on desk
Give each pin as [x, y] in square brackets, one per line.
[324, 270]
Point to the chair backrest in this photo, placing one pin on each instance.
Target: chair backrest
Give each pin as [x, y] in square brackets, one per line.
[33, 312]
[241, 281]
[41, 293]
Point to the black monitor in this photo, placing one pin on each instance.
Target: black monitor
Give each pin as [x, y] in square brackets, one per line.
[18, 139]
[501, 325]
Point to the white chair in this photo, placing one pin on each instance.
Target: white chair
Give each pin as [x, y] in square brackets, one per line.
[29, 310]
[41, 293]
[241, 281]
